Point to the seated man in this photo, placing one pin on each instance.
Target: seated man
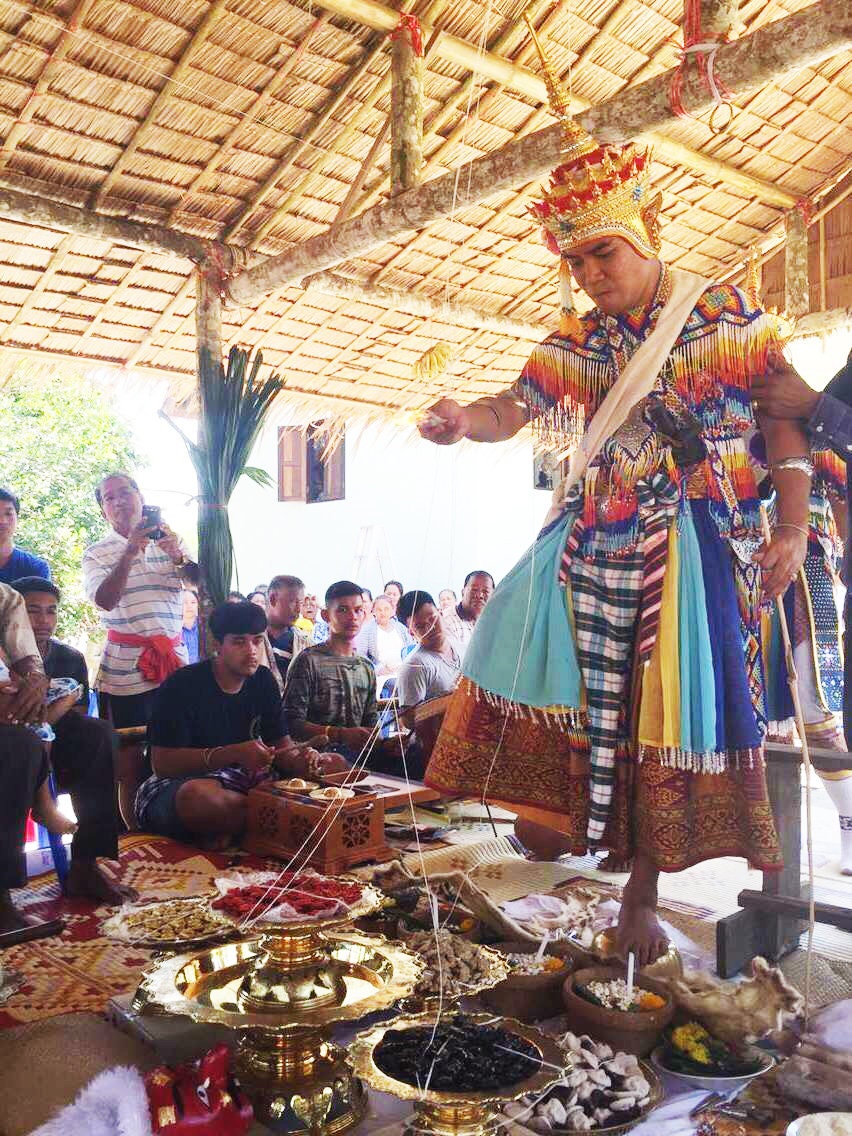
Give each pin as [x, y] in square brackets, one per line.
[434, 668]
[216, 730]
[283, 607]
[82, 754]
[331, 690]
[459, 621]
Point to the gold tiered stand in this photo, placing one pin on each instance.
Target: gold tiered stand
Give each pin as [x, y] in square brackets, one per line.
[280, 992]
[456, 1113]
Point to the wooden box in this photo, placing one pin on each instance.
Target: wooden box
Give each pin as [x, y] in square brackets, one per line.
[331, 837]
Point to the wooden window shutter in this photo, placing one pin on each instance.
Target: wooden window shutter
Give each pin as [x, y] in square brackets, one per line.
[291, 463]
[335, 473]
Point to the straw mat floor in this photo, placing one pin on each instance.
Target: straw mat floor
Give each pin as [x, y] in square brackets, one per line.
[80, 969]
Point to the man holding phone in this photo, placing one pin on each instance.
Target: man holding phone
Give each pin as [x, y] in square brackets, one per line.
[134, 577]
[217, 728]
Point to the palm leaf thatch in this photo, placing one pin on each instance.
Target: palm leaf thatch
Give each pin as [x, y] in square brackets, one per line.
[234, 402]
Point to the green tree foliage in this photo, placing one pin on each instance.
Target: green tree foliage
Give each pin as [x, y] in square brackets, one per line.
[60, 436]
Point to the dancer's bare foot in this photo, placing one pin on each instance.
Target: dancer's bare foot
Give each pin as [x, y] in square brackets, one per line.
[639, 929]
[10, 918]
[86, 880]
[48, 814]
[544, 843]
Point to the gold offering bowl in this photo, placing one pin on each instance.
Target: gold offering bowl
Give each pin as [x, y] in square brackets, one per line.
[449, 1113]
[280, 992]
[495, 971]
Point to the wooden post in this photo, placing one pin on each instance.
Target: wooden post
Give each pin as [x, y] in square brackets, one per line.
[406, 105]
[796, 285]
[823, 267]
[800, 40]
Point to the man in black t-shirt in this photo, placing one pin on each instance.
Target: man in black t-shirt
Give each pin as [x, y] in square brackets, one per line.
[217, 729]
[82, 754]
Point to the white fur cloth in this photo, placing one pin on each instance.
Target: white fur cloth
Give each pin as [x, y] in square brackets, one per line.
[114, 1104]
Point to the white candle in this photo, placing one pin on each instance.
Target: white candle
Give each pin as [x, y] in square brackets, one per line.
[631, 967]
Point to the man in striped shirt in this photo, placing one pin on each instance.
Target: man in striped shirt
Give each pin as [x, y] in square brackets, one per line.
[134, 577]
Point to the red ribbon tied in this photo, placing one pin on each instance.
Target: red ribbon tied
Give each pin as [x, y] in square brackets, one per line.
[158, 658]
[409, 26]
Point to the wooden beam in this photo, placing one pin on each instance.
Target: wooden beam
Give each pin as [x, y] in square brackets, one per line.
[416, 304]
[31, 210]
[208, 315]
[797, 301]
[196, 40]
[491, 65]
[822, 323]
[406, 108]
[60, 255]
[42, 83]
[801, 40]
[229, 142]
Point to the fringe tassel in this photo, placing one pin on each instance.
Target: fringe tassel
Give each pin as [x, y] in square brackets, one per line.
[566, 718]
[712, 761]
[569, 321]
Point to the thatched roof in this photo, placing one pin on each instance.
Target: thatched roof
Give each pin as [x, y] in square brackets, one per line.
[248, 121]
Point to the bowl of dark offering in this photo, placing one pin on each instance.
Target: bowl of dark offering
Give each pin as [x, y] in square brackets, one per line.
[599, 1002]
[691, 1054]
[458, 1068]
[602, 1091]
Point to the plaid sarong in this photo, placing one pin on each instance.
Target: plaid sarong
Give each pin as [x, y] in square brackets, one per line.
[607, 598]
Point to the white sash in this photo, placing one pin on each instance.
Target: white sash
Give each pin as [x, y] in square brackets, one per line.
[635, 382]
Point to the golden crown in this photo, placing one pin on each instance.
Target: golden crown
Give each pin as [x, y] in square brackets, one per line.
[595, 191]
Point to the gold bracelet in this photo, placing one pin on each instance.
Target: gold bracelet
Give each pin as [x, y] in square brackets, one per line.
[792, 525]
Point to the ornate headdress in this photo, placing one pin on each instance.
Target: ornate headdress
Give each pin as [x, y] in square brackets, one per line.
[595, 191]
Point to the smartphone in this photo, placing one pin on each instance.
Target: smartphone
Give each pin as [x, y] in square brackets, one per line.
[151, 515]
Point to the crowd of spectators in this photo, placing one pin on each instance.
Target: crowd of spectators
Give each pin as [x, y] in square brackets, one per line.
[276, 681]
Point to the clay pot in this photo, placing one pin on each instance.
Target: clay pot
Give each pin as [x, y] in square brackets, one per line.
[636, 1032]
[529, 997]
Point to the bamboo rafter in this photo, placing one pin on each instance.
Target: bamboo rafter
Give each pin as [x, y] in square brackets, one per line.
[197, 38]
[34, 295]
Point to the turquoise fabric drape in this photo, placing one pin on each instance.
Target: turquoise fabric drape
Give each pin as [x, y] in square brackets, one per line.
[523, 646]
[697, 690]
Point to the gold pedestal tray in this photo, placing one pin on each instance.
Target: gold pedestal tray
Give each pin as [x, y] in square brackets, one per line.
[280, 992]
[457, 1114]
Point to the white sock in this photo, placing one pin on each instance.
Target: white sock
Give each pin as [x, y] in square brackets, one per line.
[839, 788]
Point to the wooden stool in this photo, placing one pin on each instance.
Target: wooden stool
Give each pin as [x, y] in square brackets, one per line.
[129, 772]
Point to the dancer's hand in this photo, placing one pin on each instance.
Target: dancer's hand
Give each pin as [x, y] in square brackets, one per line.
[781, 559]
[445, 423]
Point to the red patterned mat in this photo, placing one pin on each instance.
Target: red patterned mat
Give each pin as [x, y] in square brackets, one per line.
[80, 969]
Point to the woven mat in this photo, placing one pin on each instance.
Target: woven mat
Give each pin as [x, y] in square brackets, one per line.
[80, 970]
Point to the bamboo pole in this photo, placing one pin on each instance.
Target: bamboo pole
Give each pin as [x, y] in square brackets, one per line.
[60, 255]
[42, 84]
[264, 98]
[491, 65]
[406, 106]
[800, 40]
[292, 155]
[198, 37]
[823, 289]
[796, 284]
[28, 209]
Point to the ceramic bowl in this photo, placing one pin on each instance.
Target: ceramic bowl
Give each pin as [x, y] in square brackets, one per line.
[716, 1084]
[627, 1032]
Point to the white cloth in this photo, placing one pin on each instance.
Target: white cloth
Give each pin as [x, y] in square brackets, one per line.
[152, 604]
[635, 381]
[388, 647]
[114, 1104]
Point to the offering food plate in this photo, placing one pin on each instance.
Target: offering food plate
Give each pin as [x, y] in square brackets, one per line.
[157, 926]
[492, 969]
[448, 1113]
